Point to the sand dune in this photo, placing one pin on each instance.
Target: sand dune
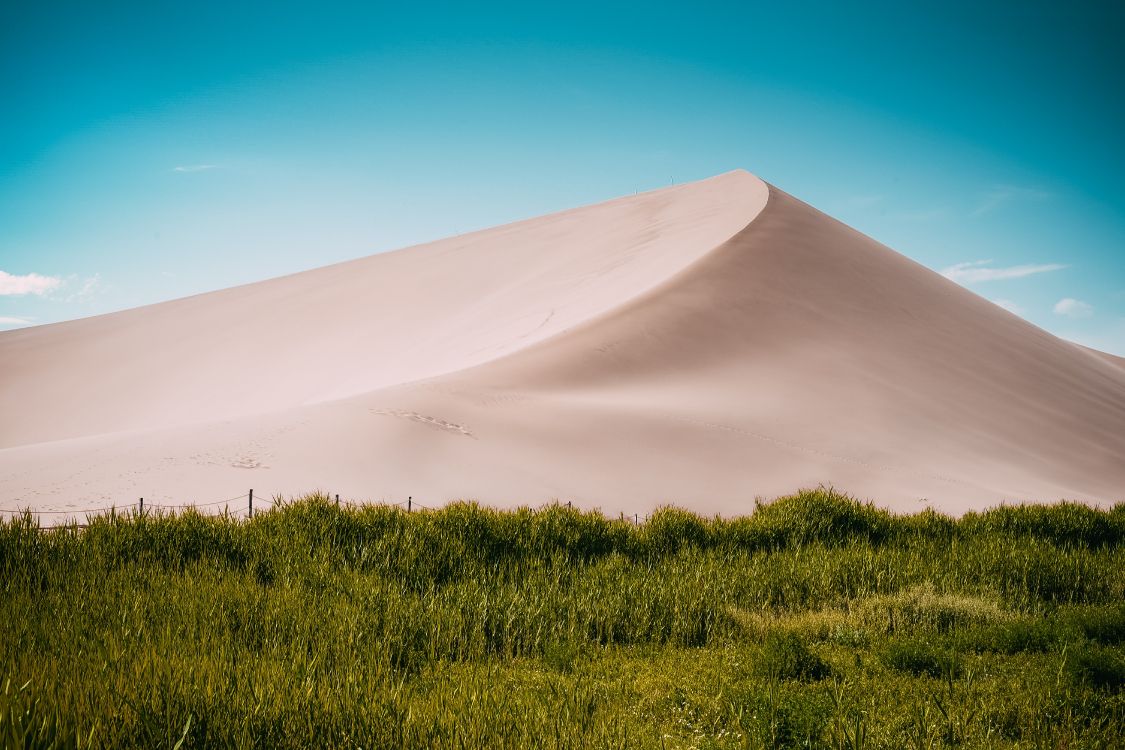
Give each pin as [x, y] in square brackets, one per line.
[703, 344]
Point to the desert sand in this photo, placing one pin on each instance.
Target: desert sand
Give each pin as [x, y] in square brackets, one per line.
[703, 345]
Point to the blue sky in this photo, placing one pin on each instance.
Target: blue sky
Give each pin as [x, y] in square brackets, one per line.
[153, 150]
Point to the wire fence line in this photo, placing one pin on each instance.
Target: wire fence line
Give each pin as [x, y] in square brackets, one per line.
[140, 505]
[247, 510]
[196, 505]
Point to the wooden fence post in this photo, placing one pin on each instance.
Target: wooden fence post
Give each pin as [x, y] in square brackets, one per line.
[409, 500]
[251, 506]
[142, 506]
[337, 499]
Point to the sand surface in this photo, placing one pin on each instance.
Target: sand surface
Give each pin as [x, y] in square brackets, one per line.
[702, 345]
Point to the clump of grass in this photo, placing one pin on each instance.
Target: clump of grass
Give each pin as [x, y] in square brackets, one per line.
[1098, 666]
[264, 572]
[562, 656]
[1102, 624]
[1060, 524]
[832, 625]
[920, 658]
[1017, 636]
[923, 608]
[786, 656]
[819, 516]
[26, 722]
[780, 716]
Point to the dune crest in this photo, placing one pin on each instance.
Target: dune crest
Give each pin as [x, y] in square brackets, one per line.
[703, 344]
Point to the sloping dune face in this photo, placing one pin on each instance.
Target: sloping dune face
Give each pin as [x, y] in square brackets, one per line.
[701, 345]
[358, 326]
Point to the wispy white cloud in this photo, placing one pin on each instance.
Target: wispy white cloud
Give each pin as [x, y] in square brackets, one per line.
[31, 283]
[1001, 195]
[10, 321]
[1008, 305]
[980, 270]
[83, 289]
[1069, 307]
[195, 167]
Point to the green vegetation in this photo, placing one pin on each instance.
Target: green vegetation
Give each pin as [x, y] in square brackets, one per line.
[815, 622]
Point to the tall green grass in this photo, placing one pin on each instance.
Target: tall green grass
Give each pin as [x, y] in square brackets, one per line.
[816, 621]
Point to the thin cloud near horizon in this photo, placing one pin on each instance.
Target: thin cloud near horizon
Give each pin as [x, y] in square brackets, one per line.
[1001, 195]
[195, 167]
[976, 271]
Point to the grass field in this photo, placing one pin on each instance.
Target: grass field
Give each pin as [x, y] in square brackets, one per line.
[815, 622]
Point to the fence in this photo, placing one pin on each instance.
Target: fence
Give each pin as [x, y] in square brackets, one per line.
[247, 511]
